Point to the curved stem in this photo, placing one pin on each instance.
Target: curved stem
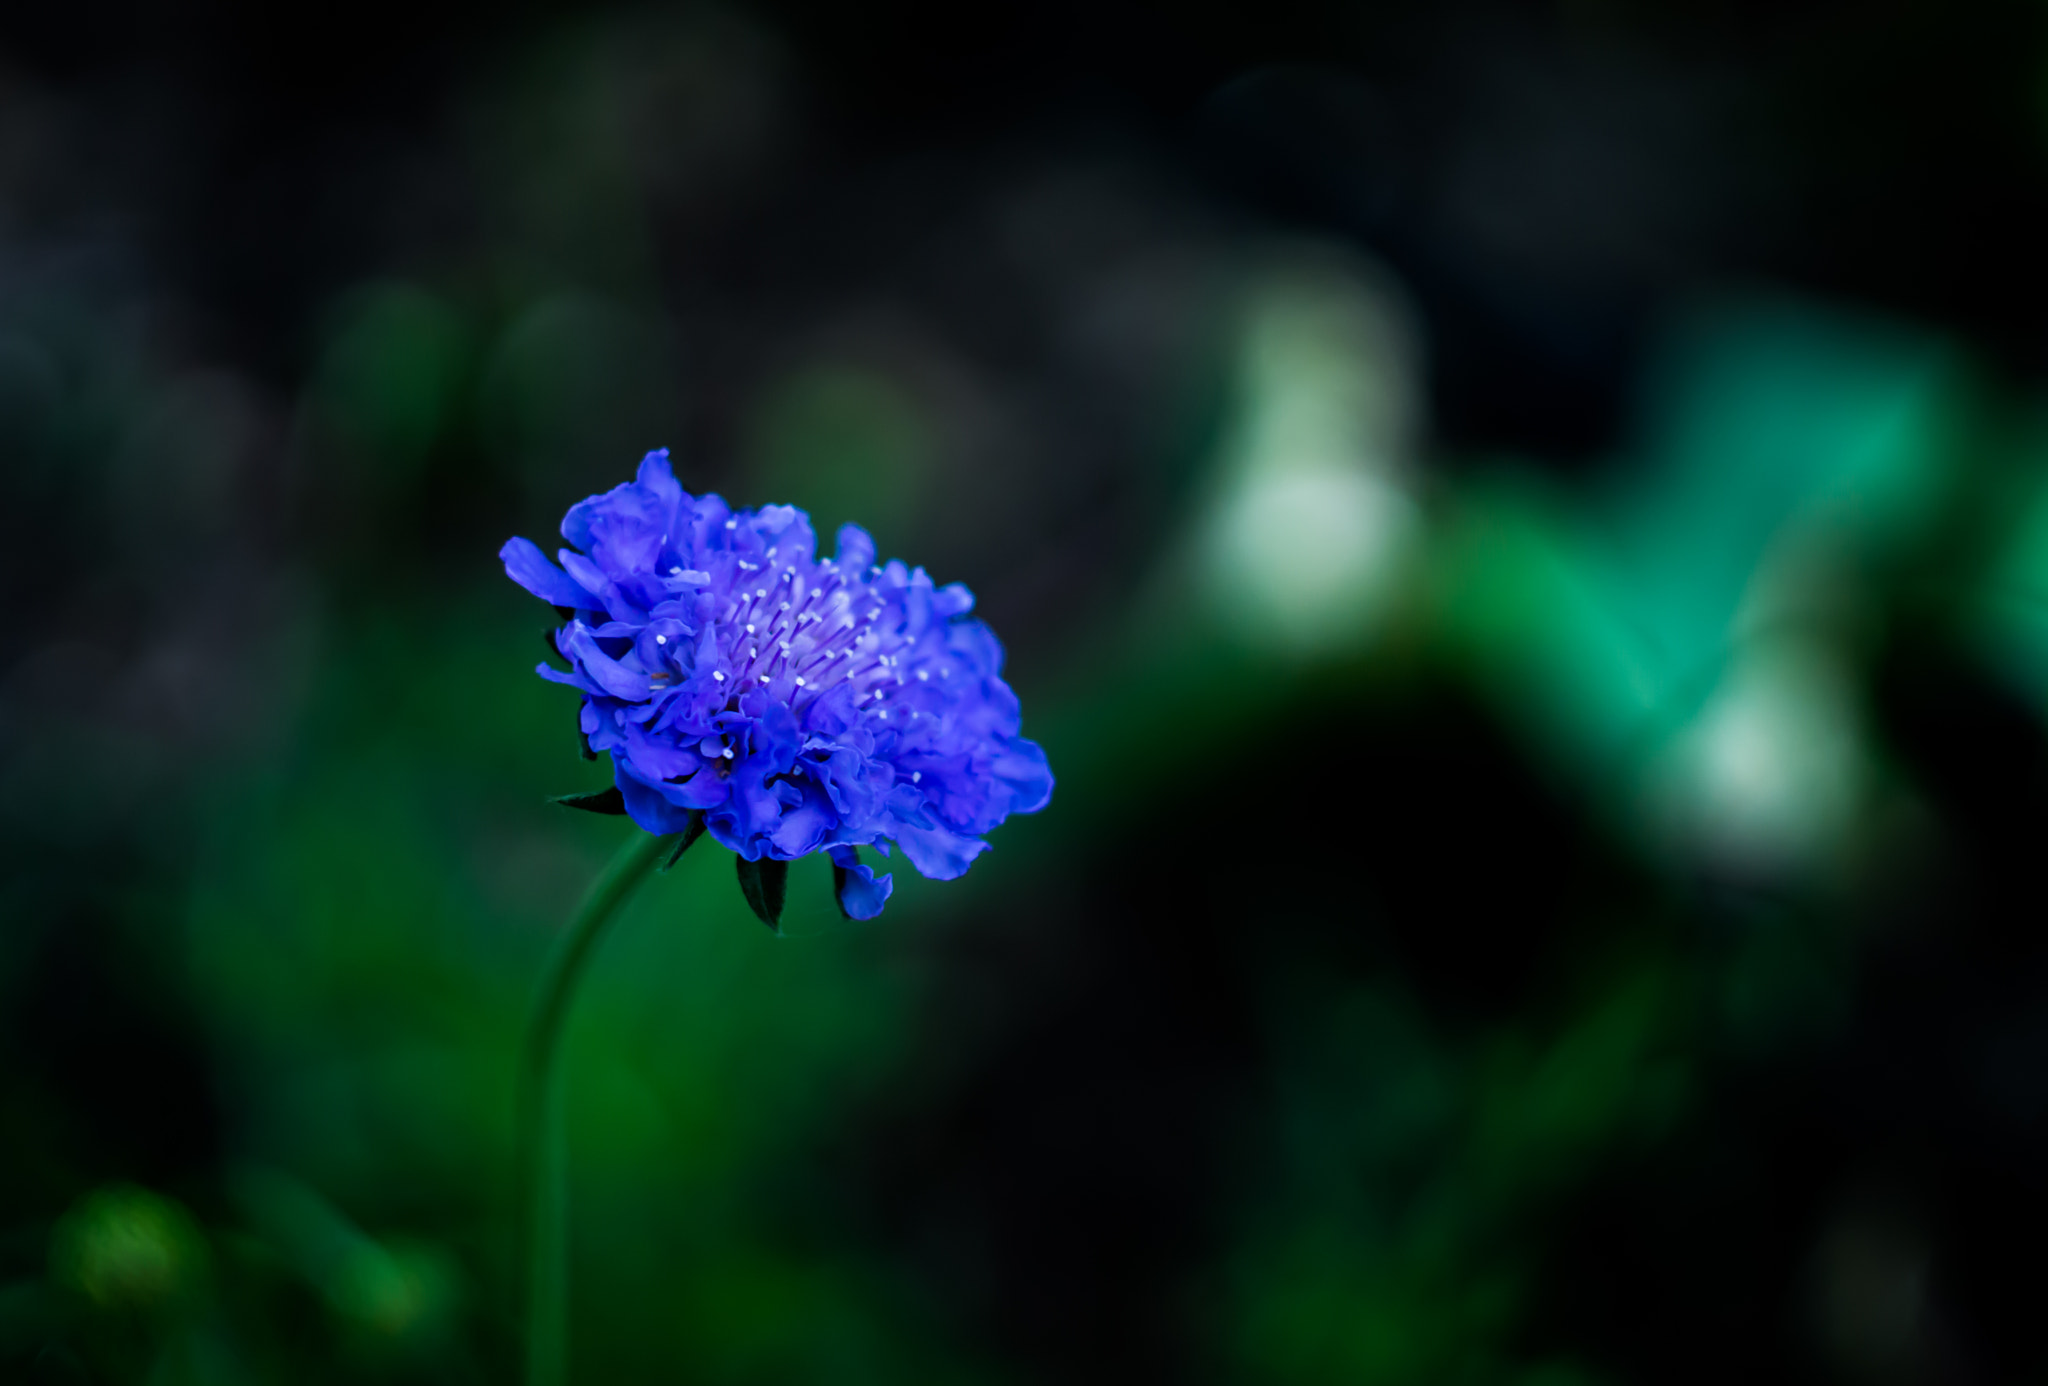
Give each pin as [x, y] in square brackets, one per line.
[542, 1155]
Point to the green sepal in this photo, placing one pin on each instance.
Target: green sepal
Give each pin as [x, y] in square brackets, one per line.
[597, 801]
[764, 883]
[690, 834]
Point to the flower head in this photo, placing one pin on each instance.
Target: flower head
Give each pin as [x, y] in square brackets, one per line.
[789, 703]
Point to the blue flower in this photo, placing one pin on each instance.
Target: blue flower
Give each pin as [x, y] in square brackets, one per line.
[797, 703]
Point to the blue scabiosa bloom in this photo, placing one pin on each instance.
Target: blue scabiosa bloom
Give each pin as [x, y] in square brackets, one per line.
[787, 703]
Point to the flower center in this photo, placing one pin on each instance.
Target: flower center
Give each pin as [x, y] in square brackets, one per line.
[817, 628]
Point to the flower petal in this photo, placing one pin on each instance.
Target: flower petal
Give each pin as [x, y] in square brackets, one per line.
[600, 668]
[658, 481]
[526, 565]
[861, 893]
[646, 805]
[1021, 768]
[856, 549]
[938, 853]
[804, 825]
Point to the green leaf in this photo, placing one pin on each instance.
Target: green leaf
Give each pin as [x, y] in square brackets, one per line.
[764, 883]
[597, 801]
[690, 835]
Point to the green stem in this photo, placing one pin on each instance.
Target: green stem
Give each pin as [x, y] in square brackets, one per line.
[542, 1152]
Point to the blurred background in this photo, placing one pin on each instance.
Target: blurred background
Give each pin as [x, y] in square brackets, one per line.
[1522, 529]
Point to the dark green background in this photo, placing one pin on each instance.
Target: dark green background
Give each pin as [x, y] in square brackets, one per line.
[1595, 937]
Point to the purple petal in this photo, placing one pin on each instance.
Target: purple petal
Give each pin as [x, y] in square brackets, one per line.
[804, 826]
[833, 713]
[610, 675]
[952, 600]
[1022, 770]
[856, 549]
[938, 853]
[658, 757]
[861, 893]
[572, 678]
[646, 805]
[585, 572]
[526, 565]
[658, 481]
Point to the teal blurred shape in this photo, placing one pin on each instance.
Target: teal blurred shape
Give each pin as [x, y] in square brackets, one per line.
[1781, 446]
[2006, 613]
[1764, 418]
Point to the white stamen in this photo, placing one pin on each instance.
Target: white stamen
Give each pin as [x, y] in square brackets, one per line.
[661, 639]
[732, 524]
[916, 775]
[728, 753]
[799, 683]
[717, 675]
[924, 673]
[750, 627]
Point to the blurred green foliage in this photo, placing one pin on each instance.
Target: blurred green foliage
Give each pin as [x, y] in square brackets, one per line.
[368, 900]
[352, 896]
[368, 909]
